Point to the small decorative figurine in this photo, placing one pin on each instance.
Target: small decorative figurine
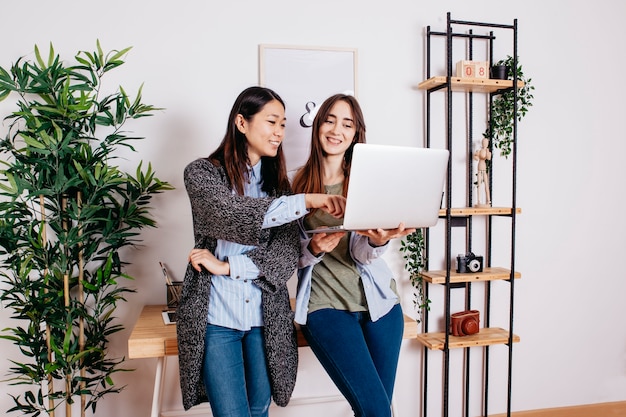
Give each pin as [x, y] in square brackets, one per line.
[482, 155]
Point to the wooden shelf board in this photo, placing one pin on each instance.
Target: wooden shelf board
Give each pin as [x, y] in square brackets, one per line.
[488, 274]
[485, 337]
[410, 328]
[483, 85]
[479, 211]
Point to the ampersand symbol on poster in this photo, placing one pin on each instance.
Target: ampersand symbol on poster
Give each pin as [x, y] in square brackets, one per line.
[306, 120]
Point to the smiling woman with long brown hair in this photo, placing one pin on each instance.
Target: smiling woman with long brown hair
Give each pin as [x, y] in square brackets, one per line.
[235, 328]
[347, 302]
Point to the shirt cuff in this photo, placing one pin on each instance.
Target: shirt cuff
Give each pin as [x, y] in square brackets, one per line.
[242, 268]
[284, 210]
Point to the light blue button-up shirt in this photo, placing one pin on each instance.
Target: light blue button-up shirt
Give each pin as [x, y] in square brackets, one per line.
[235, 301]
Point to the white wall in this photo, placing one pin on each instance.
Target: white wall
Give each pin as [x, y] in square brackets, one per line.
[195, 57]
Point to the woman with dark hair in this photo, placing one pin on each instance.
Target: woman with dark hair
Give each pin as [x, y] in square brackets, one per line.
[347, 302]
[236, 337]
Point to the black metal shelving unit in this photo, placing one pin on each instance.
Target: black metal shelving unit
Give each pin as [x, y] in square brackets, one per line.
[471, 33]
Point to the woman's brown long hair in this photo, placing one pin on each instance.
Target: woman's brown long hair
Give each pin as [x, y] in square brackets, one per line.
[232, 153]
[308, 179]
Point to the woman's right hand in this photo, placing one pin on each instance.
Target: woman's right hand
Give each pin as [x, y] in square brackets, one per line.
[204, 257]
[334, 205]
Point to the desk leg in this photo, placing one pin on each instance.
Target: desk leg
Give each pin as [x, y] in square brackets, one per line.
[158, 386]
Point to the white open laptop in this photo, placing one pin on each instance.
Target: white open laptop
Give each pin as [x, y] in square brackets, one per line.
[390, 185]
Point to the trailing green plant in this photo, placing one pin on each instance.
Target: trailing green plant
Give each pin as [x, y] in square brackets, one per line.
[500, 127]
[66, 211]
[415, 257]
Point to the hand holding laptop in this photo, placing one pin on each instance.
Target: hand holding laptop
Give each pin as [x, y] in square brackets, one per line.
[327, 241]
[324, 242]
[379, 237]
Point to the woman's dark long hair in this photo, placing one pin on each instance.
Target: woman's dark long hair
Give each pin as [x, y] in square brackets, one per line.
[232, 153]
[308, 179]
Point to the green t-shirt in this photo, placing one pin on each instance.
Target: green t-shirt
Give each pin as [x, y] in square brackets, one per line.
[336, 282]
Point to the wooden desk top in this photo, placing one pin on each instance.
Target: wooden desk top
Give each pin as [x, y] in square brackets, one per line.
[152, 338]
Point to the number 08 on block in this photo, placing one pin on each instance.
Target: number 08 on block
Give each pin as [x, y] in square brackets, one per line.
[472, 69]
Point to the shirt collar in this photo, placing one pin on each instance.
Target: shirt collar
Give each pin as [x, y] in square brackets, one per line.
[254, 173]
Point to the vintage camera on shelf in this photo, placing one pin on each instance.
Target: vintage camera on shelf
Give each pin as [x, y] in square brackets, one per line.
[464, 323]
[469, 263]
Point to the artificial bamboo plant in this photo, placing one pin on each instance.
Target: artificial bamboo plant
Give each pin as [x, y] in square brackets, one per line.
[66, 212]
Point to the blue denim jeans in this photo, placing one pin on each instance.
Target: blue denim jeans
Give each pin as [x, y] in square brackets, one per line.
[360, 356]
[235, 372]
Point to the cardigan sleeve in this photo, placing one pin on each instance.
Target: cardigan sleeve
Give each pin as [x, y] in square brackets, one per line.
[217, 211]
[277, 259]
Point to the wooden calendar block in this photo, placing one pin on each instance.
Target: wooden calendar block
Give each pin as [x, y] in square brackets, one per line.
[482, 69]
[472, 69]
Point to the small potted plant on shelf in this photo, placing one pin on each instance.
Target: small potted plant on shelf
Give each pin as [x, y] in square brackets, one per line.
[500, 127]
[414, 254]
[499, 71]
[66, 214]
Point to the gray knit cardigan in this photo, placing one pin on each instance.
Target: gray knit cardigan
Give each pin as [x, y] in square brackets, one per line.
[219, 214]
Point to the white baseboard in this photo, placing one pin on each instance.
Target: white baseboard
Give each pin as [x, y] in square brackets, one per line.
[205, 410]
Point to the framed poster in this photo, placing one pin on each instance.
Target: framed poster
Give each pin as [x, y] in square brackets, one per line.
[304, 77]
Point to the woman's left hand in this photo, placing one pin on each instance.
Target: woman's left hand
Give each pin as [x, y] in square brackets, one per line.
[379, 237]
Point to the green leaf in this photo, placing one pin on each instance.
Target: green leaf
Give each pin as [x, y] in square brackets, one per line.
[119, 54]
[51, 55]
[32, 142]
[38, 57]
